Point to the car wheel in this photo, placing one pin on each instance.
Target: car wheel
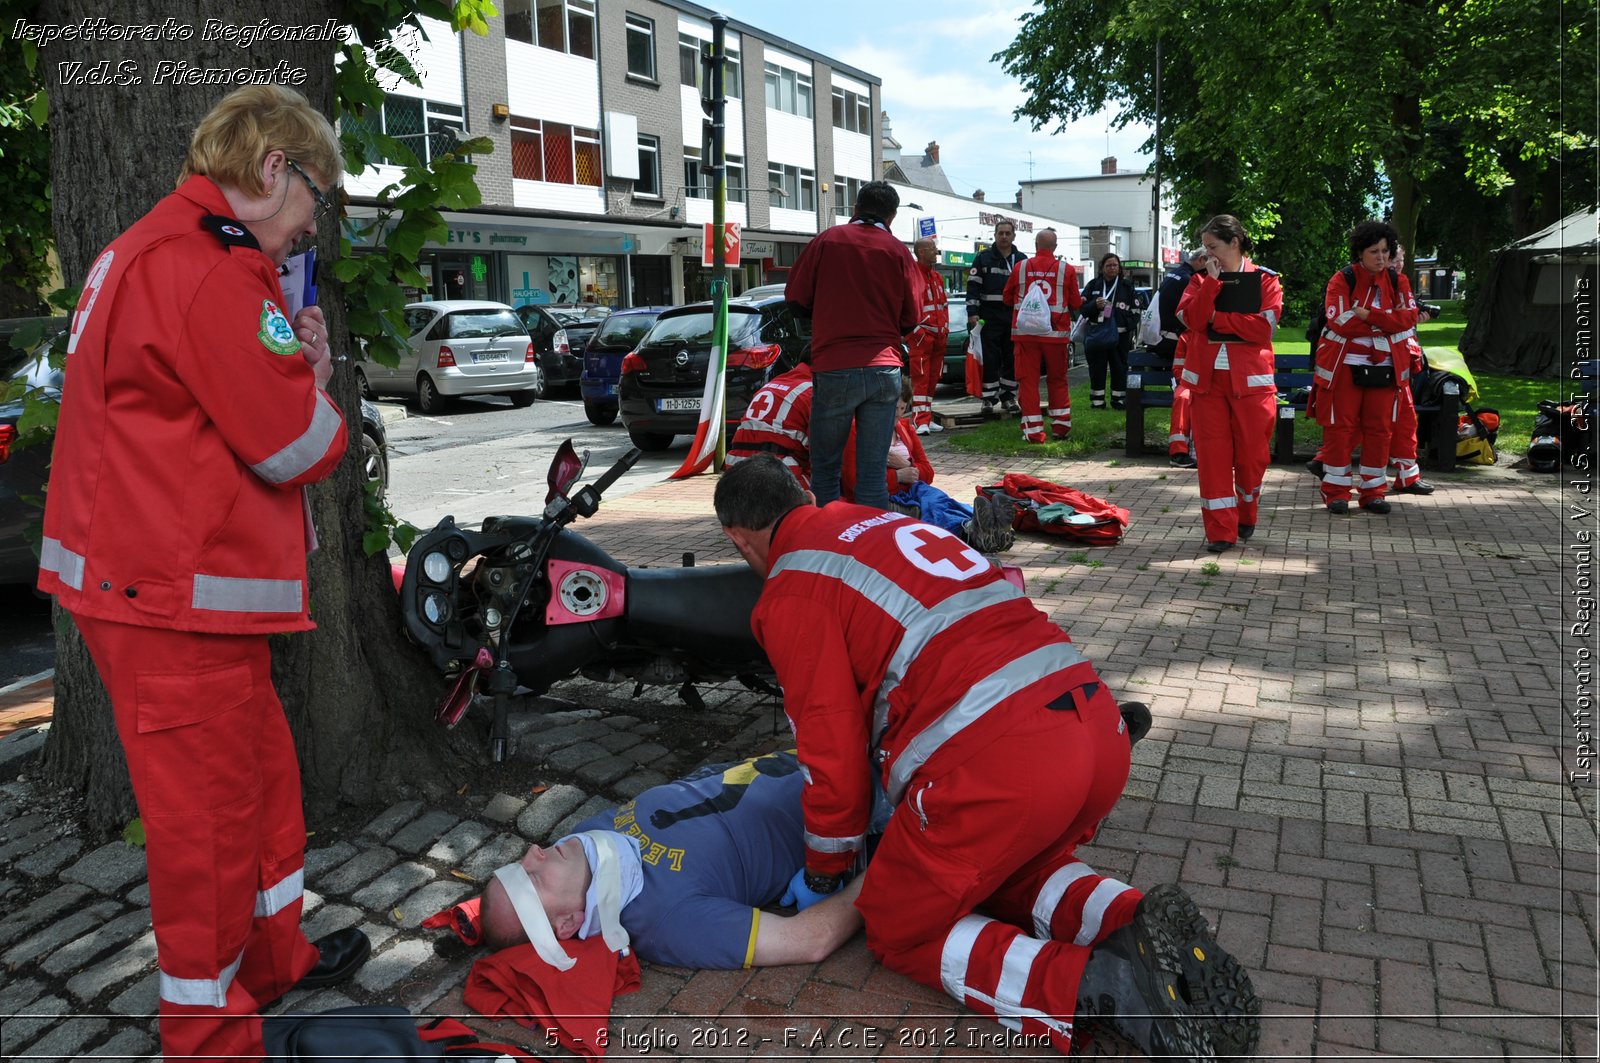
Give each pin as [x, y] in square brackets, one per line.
[649, 442]
[363, 386]
[521, 399]
[428, 398]
[374, 465]
[598, 414]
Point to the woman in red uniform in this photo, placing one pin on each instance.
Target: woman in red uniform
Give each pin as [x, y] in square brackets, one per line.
[1362, 358]
[1228, 366]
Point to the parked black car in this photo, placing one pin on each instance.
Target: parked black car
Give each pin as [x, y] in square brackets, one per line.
[560, 331]
[664, 377]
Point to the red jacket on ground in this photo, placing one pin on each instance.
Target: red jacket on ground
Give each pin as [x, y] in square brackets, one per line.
[1060, 280]
[189, 423]
[1250, 357]
[906, 433]
[860, 285]
[872, 665]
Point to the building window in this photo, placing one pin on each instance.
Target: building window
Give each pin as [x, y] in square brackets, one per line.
[428, 129]
[792, 187]
[735, 166]
[641, 47]
[851, 111]
[697, 180]
[551, 151]
[560, 25]
[692, 53]
[845, 191]
[649, 182]
[788, 91]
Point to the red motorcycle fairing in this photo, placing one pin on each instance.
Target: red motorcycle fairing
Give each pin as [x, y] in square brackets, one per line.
[459, 697]
[580, 594]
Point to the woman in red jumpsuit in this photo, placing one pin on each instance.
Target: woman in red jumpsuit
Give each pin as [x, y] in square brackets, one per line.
[1228, 366]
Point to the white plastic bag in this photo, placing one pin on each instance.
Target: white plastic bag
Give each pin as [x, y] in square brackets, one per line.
[1150, 324]
[1033, 315]
[975, 345]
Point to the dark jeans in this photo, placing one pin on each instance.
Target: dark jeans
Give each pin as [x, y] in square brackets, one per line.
[865, 397]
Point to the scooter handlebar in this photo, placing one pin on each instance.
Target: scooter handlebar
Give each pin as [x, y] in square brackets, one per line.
[613, 474]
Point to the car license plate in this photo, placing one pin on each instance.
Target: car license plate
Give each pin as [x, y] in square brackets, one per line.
[485, 357]
[611, 389]
[677, 405]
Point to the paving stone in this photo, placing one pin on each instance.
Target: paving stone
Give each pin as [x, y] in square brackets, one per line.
[18, 749]
[592, 807]
[648, 753]
[17, 994]
[546, 810]
[605, 771]
[618, 741]
[40, 911]
[393, 818]
[128, 1045]
[324, 858]
[434, 897]
[455, 846]
[53, 935]
[67, 1039]
[423, 832]
[122, 965]
[558, 738]
[377, 934]
[139, 896]
[637, 783]
[504, 849]
[25, 834]
[43, 1015]
[332, 918]
[392, 885]
[110, 869]
[141, 998]
[394, 964]
[47, 862]
[503, 808]
[358, 870]
[86, 949]
[570, 759]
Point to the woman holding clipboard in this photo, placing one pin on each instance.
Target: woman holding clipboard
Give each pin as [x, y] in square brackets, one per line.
[1230, 311]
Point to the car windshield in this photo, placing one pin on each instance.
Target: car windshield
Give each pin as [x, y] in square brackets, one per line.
[467, 324]
[695, 328]
[626, 329]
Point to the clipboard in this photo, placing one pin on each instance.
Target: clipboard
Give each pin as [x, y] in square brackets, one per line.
[298, 279]
[1241, 294]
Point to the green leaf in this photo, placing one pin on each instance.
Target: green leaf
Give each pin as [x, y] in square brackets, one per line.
[375, 541]
[133, 834]
[39, 111]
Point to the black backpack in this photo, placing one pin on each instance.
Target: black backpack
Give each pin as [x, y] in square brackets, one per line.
[1319, 314]
[1562, 431]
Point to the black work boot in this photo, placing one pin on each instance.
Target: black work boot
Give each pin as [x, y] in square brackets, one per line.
[1136, 983]
[1218, 986]
[1136, 718]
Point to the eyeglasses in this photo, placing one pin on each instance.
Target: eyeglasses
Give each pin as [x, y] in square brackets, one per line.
[325, 204]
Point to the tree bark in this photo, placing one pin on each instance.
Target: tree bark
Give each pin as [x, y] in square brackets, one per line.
[357, 695]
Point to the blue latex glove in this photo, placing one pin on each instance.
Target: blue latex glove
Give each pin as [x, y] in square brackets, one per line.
[799, 894]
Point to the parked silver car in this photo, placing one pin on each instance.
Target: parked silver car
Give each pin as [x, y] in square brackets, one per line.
[460, 347]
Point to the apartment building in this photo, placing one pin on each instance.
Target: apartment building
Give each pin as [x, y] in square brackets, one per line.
[1115, 215]
[597, 188]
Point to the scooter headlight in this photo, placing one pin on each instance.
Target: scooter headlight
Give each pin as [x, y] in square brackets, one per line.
[436, 567]
[436, 608]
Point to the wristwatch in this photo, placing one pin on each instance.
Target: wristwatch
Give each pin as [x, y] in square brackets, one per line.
[822, 884]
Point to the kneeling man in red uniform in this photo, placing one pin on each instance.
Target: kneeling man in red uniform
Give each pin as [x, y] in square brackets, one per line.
[913, 670]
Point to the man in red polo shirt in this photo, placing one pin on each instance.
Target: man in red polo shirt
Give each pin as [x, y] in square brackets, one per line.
[860, 285]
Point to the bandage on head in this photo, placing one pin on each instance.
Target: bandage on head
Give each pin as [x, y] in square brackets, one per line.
[524, 897]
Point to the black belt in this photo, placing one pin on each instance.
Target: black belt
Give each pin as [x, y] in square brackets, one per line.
[767, 447]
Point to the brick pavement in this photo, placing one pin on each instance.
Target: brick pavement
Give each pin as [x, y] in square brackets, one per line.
[1355, 769]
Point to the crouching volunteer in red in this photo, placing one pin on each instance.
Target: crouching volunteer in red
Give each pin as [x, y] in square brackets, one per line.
[1059, 280]
[1228, 366]
[909, 664]
[778, 422]
[176, 533]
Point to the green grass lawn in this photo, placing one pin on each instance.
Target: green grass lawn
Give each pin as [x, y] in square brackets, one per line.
[1099, 431]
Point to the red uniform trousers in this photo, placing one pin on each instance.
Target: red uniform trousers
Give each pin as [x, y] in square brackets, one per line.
[997, 832]
[1363, 416]
[926, 352]
[1179, 428]
[1403, 439]
[1028, 353]
[214, 772]
[1233, 446]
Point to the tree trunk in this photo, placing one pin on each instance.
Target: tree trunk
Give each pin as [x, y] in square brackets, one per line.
[357, 695]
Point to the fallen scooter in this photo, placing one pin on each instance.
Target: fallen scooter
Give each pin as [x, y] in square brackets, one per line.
[525, 601]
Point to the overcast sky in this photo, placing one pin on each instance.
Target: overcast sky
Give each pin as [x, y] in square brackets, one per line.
[939, 84]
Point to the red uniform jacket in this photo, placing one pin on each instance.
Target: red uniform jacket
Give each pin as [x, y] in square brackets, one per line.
[934, 328]
[189, 423]
[897, 646]
[1060, 282]
[1250, 359]
[1385, 335]
[860, 286]
[778, 422]
[906, 432]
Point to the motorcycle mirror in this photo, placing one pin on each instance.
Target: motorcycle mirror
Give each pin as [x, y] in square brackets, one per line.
[565, 468]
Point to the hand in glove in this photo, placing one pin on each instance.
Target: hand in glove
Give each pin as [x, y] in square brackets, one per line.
[802, 895]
